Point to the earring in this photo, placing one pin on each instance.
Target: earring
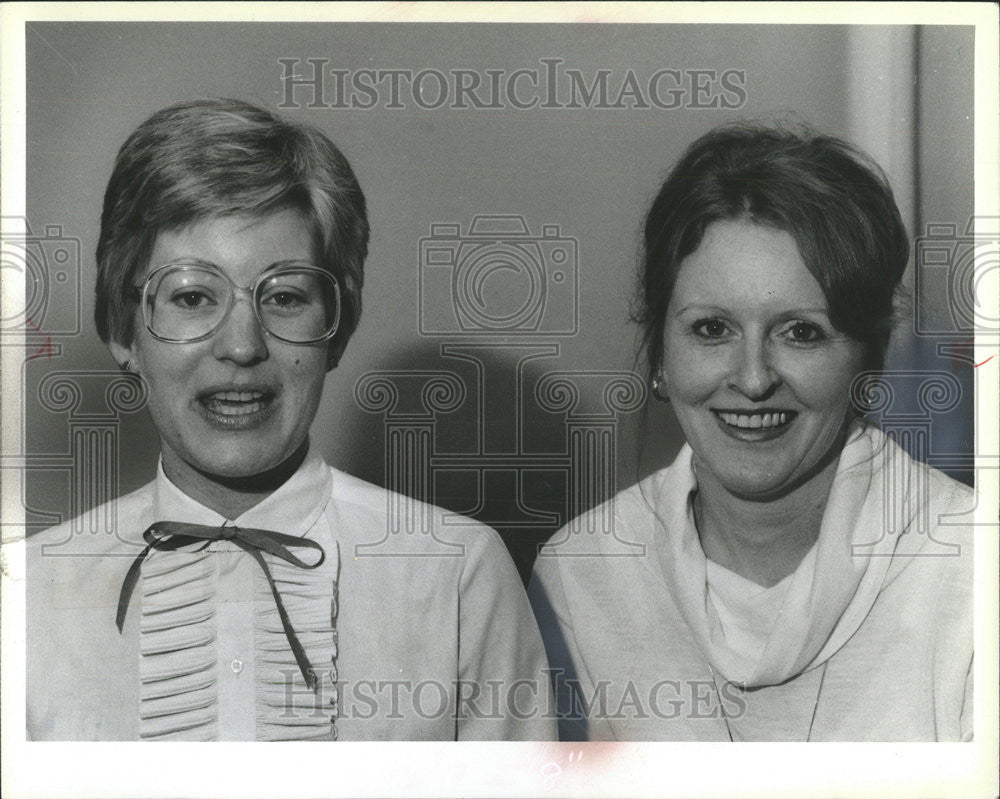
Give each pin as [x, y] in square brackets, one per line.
[126, 366]
[659, 384]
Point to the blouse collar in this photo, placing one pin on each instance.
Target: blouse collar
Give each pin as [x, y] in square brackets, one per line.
[293, 509]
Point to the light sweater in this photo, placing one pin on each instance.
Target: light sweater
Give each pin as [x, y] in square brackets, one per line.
[402, 629]
[872, 640]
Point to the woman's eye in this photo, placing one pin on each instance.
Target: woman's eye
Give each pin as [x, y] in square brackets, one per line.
[710, 328]
[192, 300]
[805, 333]
[286, 300]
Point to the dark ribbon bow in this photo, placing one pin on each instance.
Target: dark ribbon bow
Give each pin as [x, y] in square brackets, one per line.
[170, 536]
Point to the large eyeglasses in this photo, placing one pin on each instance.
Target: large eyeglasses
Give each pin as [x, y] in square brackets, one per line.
[294, 302]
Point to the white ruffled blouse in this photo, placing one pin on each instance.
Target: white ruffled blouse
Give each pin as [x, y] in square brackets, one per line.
[387, 620]
[214, 659]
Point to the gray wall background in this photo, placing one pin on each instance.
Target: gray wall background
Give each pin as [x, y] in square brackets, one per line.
[903, 93]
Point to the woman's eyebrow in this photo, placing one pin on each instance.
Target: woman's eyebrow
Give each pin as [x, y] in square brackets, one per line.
[697, 306]
[287, 262]
[188, 259]
[192, 261]
[822, 311]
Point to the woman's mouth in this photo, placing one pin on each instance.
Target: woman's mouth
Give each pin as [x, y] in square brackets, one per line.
[237, 409]
[756, 425]
[754, 420]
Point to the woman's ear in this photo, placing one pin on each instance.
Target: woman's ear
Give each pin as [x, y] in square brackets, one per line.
[124, 355]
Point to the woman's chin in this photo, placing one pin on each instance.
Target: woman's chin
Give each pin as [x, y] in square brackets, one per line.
[250, 469]
[233, 469]
[758, 491]
[758, 485]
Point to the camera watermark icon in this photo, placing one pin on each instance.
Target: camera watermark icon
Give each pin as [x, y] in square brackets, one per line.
[960, 265]
[498, 278]
[525, 452]
[49, 265]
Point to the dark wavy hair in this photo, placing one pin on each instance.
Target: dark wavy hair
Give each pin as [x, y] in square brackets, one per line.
[220, 157]
[830, 197]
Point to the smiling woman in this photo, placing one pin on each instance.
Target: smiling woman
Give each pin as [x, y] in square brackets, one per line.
[751, 358]
[804, 579]
[232, 604]
[233, 400]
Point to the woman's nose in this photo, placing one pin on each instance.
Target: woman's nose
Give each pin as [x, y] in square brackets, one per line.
[240, 338]
[753, 373]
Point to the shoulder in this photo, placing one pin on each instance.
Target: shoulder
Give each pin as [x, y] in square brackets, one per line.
[359, 494]
[630, 523]
[380, 521]
[78, 566]
[933, 485]
[934, 500]
[947, 493]
[605, 553]
[113, 527]
[932, 518]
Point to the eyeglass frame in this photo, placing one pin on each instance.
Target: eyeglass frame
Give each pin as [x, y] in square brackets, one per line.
[140, 294]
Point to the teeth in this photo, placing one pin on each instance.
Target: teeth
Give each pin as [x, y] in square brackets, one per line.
[237, 396]
[754, 420]
[235, 403]
[234, 410]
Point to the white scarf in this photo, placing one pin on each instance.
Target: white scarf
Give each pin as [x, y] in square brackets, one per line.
[877, 491]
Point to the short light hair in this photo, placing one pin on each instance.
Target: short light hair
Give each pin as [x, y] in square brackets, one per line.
[219, 157]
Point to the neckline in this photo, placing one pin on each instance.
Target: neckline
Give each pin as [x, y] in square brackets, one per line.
[816, 621]
[293, 508]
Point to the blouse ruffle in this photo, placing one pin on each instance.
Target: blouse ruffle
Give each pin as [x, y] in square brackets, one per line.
[287, 710]
[178, 668]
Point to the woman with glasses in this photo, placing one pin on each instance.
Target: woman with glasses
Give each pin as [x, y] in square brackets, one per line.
[242, 597]
[795, 576]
